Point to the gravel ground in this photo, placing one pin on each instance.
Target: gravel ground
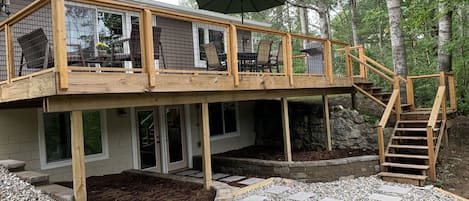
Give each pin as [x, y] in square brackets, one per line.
[349, 189]
[14, 189]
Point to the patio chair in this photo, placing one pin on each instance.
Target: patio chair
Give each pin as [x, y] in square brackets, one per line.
[213, 62]
[263, 56]
[276, 58]
[135, 51]
[36, 52]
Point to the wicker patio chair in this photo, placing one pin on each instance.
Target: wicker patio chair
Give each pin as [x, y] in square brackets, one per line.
[263, 56]
[213, 62]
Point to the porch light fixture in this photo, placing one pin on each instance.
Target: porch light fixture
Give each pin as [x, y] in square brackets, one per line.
[5, 7]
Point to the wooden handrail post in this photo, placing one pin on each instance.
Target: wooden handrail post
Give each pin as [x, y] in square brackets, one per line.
[328, 60]
[442, 78]
[381, 147]
[431, 154]
[348, 61]
[398, 109]
[452, 92]
[9, 50]
[410, 93]
[288, 56]
[233, 54]
[60, 41]
[361, 55]
[148, 57]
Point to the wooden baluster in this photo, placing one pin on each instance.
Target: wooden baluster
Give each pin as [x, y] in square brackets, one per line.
[60, 42]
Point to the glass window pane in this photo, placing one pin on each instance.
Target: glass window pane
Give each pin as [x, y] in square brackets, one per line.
[80, 24]
[173, 118]
[146, 130]
[110, 30]
[201, 42]
[57, 134]
[92, 132]
[229, 112]
[217, 38]
[215, 119]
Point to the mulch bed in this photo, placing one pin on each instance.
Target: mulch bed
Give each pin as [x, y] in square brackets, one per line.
[128, 186]
[270, 153]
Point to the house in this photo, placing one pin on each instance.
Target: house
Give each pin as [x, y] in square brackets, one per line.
[97, 87]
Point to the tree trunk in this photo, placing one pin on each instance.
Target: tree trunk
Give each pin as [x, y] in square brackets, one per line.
[353, 12]
[444, 37]
[303, 15]
[397, 42]
[324, 27]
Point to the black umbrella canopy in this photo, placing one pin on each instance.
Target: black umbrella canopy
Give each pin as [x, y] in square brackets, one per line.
[238, 6]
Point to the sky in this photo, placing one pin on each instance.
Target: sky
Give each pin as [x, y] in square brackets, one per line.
[175, 2]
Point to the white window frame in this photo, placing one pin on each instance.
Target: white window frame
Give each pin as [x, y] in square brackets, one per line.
[230, 134]
[195, 35]
[88, 158]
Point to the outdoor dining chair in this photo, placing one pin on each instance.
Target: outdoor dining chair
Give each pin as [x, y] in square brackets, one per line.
[135, 50]
[276, 58]
[213, 62]
[36, 52]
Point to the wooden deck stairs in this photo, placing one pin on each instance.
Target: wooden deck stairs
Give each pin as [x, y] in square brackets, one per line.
[417, 133]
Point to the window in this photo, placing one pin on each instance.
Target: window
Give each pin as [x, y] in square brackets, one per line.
[56, 138]
[202, 34]
[110, 29]
[223, 118]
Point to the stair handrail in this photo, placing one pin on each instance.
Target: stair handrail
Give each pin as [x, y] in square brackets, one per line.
[394, 102]
[439, 103]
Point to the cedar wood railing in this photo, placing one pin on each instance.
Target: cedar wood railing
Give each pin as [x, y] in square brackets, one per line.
[148, 66]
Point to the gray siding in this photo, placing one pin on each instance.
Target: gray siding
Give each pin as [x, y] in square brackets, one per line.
[177, 42]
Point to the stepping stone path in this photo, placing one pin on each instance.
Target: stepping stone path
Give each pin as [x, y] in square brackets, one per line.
[394, 189]
[198, 175]
[301, 196]
[254, 198]
[187, 172]
[251, 181]
[277, 189]
[232, 178]
[330, 199]
[217, 176]
[381, 197]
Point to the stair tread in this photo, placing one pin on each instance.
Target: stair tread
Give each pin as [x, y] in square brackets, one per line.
[410, 138]
[415, 121]
[401, 175]
[415, 129]
[32, 177]
[382, 93]
[402, 165]
[406, 156]
[408, 146]
[12, 164]
[58, 192]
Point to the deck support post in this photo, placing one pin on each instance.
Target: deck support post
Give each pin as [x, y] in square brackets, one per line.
[206, 158]
[286, 130]
[148, 57]
[78, 156]
[325, 101]
[60, 42]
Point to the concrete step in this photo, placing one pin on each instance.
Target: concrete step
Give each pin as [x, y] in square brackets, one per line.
[13, 165]
[34, 178]
[58, 192]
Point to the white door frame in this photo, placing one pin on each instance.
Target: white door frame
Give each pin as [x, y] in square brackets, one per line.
[135, 139]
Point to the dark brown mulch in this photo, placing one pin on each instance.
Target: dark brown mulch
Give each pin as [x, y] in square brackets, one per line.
[135, 187]
[269, 153]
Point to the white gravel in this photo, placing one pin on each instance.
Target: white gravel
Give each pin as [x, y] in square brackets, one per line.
[12, 188]
[350, 189]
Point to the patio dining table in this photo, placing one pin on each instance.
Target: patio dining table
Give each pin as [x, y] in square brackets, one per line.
[245, 60]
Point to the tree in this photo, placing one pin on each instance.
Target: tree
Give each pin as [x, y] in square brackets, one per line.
[444, 36]
[353, 13]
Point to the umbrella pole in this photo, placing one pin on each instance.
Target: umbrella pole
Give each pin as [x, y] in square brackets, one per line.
[242, 12]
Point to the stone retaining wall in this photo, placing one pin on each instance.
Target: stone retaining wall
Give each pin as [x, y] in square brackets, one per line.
[308, 171]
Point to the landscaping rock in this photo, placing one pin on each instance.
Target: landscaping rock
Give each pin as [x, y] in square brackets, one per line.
[12, 188]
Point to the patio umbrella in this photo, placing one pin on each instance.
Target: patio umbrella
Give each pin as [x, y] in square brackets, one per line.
[238, 6]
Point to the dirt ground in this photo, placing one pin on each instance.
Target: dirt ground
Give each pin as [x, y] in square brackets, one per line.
[453, 165]
[269, 153]
[128, 186]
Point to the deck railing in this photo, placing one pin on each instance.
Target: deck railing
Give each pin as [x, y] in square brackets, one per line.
[81, 53]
